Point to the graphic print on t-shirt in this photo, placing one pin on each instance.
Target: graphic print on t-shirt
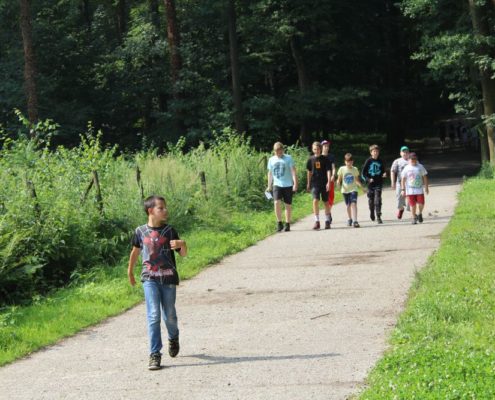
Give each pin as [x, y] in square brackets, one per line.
[156, 253]
[317, 165]
[414, 180]
[348, 179]
[374, 169]
[279, 170]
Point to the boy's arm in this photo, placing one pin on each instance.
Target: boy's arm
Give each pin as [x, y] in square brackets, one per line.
[425, 183]
[309, 174]
[270, 181]
[393, 175]
[179, 244]
[294, 178]
[132, 262]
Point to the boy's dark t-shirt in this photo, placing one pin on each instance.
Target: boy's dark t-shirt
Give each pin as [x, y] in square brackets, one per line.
[319, 167]
[158, 257]
[331, 160]
[373, 169]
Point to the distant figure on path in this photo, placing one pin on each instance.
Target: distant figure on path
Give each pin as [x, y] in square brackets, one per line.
[395, 177]
[414, 178]
[318, 182]
[373, 172]
[156, 242]
[331, 191]
[282, 179]
[348, 180]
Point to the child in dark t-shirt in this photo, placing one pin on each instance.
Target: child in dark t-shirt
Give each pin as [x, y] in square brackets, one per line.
[156, 242]
[318, 178]
[373, 172]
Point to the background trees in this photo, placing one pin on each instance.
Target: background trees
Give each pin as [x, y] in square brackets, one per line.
[150, 70]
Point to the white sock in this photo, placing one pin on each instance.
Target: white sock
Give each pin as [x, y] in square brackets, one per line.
[317, 218]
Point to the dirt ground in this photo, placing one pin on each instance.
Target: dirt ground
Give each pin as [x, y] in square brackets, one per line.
[300, 315]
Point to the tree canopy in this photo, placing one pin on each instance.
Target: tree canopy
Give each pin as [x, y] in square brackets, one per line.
[152, 71]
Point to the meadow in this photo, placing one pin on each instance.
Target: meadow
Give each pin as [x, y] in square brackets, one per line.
[443, 346]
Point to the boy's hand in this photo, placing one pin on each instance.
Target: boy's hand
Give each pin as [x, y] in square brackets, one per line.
[384, 175]
[294, 188]
[176, 244]
[427, 191]
[371, 180]
[307, 189]
[132, 280]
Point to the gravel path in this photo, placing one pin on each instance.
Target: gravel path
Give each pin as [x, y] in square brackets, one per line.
[300, 315]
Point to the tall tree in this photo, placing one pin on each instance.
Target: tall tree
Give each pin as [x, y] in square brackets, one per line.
[234, 67]
[29, 61]
[121, 19]
[481, 27]
[173, 37]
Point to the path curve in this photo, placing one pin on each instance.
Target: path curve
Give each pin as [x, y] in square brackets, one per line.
[299, 315]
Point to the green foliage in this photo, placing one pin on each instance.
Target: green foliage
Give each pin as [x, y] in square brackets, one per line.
[443, 346]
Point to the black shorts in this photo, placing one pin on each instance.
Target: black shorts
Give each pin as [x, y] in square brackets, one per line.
[320, 192]
[283, 193]
[350, 198]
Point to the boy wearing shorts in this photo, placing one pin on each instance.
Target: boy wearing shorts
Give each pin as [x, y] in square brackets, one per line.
[282, 178]
[318, 177]
[348, 179]
[325, 150]
[414, 177]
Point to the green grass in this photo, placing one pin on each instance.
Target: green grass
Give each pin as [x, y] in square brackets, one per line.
[444, 344]
[105, 291]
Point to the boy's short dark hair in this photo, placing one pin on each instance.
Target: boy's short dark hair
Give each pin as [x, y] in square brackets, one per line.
[373, 147]
[150, 202]
[348, 157]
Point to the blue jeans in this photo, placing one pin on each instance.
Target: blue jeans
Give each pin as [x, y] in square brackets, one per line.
[160, 298]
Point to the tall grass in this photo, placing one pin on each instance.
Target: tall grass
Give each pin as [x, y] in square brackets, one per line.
[52, 229]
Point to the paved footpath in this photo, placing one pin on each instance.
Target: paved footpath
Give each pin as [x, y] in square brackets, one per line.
[300, 315]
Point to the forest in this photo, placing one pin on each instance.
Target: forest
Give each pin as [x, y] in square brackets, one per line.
[147, 72]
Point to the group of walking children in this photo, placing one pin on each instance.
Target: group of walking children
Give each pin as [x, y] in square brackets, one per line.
[408, 178]
[156, 241]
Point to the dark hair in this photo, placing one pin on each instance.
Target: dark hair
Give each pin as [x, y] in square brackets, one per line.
[348, 157]
[150, 202]
[374, 146]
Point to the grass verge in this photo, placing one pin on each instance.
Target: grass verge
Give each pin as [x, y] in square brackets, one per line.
[106, 292]
[443, 346]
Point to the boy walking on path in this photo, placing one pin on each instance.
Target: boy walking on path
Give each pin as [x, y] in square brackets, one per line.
[414, 177]
[156, 242]
[373, 172]
[395, 178]
[348, 179]
[331, 190]
[318, 182]
[282, 178]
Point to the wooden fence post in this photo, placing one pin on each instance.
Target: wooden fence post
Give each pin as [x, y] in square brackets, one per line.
[139, 182]
[99, 199]
[226, 164]
[32, 194]
[202, 177]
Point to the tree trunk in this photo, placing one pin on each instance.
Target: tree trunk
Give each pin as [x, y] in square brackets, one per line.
[86, 13]
[395, 75]
[121, 19]
[173, 37]
[302, 80]
[481, 27]
[234, 65]
[29, 62]
[155, 16]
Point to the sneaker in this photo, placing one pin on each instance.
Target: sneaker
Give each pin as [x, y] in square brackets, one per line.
[379, 219]
[420, 218]
[399, 214]
[415, 220]
[287, 227]
[349, 222]
[330, 218]
[155, 361]
[372, 215]
[280, 226]
[173, 347]
[356, 224]
[316, 226]
[327, 224]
